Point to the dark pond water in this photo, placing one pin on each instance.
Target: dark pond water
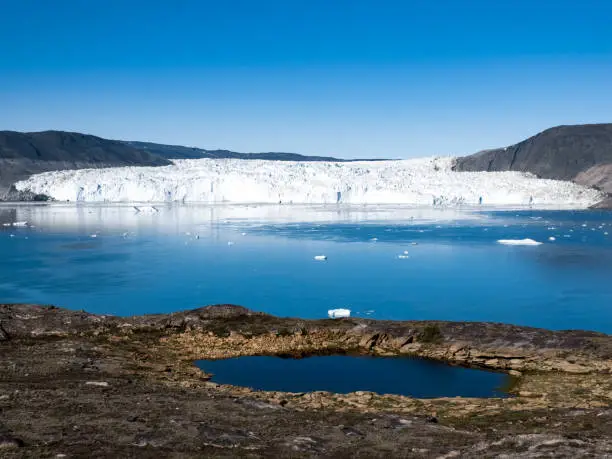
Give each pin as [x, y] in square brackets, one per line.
[343, 374]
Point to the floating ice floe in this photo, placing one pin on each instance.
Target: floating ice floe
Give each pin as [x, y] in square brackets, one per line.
[19, 224]
[339, 313]
[552, 238]
[320, 257]
[526, 241]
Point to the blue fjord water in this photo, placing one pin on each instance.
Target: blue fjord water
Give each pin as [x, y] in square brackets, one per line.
[343, 374]
[261, 257]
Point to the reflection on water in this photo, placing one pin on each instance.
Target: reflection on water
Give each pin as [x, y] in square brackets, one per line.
[92, 216]
[262, 257]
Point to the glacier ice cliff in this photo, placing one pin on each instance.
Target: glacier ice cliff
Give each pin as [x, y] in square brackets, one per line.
[424, 181]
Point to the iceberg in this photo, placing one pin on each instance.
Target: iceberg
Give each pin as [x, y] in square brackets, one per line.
[518, 242]
[418, 182]
[339, 313]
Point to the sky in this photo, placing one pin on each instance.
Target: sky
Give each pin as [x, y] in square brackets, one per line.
[347, 78]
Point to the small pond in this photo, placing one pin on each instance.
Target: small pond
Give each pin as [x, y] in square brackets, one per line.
[345, 373]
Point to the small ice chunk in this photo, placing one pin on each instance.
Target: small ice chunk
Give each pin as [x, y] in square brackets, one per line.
[12, 235]
[339, 313]
[230, 243]
[374, 239]
[243, 234]
[405, 252]
[20, 224]
[320, 257]
[584, 225]
[552, 238]
[403, 257]
[605, 233]
[414, 243]
[93, 235]
[526, 241]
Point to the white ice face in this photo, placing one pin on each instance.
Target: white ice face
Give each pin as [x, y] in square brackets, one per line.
[424, 181]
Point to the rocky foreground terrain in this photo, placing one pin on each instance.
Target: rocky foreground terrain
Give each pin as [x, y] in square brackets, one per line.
[73, 384]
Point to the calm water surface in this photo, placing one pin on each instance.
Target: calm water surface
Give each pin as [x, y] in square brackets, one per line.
[343, 374]
[262, 257]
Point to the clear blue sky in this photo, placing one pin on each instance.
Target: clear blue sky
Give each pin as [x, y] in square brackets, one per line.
[337, 77]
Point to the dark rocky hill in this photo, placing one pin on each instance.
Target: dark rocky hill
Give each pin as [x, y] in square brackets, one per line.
[580, 153]
[181, 152]
[25, 153]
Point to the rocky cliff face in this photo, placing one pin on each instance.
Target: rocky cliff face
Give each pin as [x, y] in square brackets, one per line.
[581, 153]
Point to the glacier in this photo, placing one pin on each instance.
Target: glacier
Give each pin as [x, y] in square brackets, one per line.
[419, 182]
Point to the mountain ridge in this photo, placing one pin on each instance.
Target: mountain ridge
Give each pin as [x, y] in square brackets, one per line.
[580, 153]
[23, 154]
